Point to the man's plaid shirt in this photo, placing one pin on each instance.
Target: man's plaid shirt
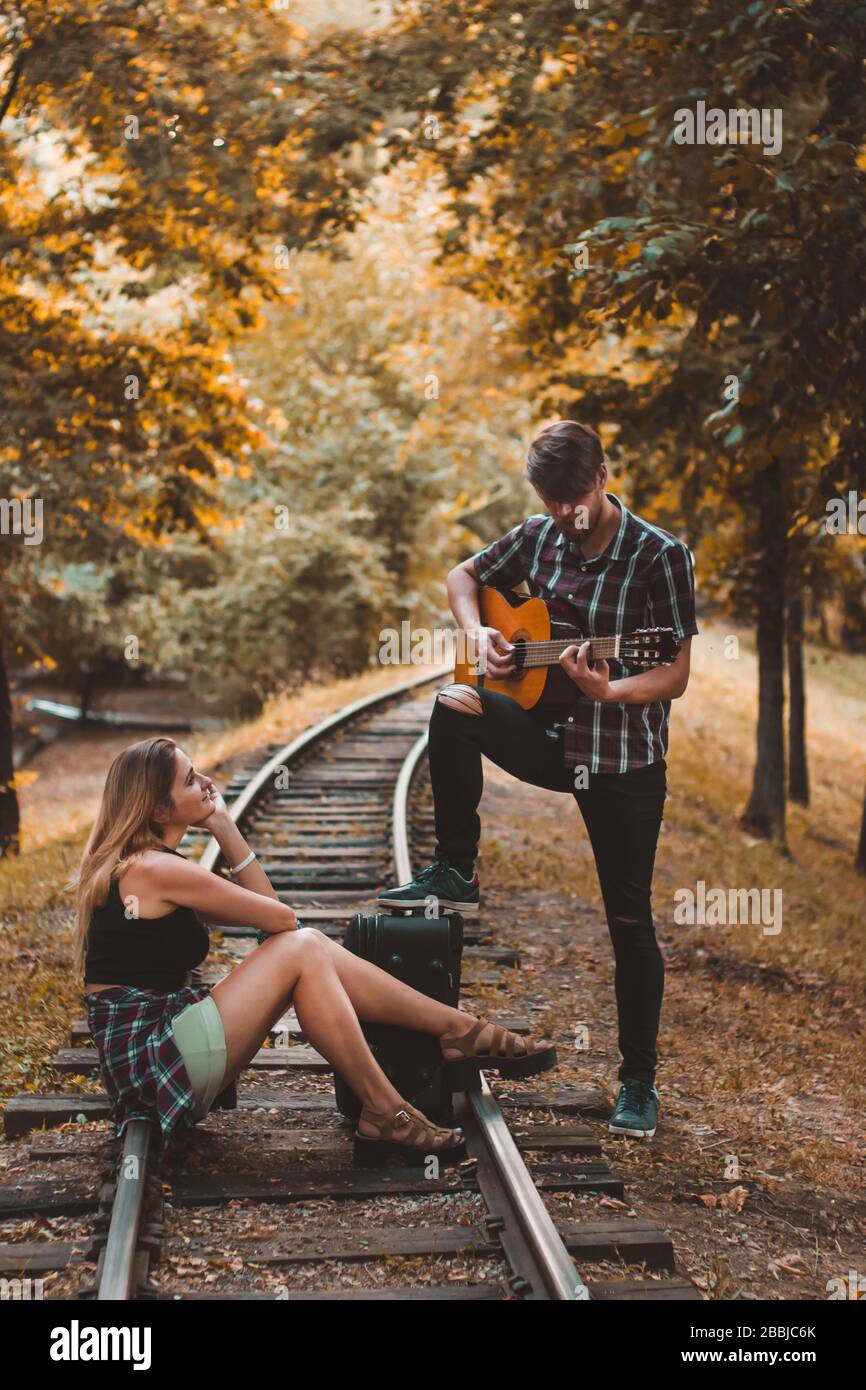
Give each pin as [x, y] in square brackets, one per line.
[643, 579]
[140, 1064]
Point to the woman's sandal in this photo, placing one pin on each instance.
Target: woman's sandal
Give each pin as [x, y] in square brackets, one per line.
[462, 1074]
[373, 1148]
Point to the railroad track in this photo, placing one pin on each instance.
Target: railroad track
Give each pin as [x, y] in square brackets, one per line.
[332, 815]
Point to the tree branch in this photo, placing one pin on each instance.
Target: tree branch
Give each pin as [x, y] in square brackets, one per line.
[17, 68]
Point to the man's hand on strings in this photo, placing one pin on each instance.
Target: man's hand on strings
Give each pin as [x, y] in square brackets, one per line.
[489, 653]
[593, 680]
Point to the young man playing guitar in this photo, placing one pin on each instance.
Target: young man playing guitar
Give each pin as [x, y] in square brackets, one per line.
[601, 735]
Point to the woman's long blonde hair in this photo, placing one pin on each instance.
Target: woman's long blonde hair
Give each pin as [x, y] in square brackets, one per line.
[139, 780]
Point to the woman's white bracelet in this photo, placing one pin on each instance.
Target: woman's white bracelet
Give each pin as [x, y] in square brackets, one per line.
[244, 862]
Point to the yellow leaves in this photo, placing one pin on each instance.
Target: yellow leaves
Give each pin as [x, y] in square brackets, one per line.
[618, 164]
[636, 125]
[209, 516]
[800, 523]
[555, 70]
[631, 127]
[277, 420]
[610, 135]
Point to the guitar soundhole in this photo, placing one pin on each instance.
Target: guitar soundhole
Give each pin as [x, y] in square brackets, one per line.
[519, 655]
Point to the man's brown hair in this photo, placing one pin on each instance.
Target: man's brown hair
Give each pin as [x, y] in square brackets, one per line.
[564, 459]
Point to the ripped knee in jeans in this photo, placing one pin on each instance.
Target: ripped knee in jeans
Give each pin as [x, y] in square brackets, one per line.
[464, 698]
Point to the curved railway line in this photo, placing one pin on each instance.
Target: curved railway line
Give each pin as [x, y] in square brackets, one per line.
[332, 815]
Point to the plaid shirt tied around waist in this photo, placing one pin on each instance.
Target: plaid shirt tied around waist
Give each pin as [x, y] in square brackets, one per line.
[140, 1064]
[643, 579]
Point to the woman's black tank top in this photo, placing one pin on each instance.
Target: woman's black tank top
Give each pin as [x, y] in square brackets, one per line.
[145, 952]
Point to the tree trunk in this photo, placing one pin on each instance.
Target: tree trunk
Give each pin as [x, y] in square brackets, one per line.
[765, 813]
[798, 764]
[10, 823]
[860, 861]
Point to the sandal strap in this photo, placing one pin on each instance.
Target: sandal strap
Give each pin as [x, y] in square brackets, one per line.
[387, 1122]
[427, 1125]
[465, 1041]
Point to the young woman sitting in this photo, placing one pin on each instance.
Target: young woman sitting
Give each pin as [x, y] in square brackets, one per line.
[167, 1049]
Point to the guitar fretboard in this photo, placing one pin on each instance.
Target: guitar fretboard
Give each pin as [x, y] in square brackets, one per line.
[547, 653]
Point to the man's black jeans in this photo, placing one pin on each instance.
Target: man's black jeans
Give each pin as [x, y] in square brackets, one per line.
[622, 813]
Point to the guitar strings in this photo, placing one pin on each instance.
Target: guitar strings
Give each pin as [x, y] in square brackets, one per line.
[539, 653]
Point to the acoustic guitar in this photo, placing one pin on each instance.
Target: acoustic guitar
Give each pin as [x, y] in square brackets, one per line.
[538, 679]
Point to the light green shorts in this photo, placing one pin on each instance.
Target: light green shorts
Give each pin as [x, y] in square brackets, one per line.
[198, 1032]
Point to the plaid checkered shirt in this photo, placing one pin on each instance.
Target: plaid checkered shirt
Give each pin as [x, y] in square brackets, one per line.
[140, 1064]
[644, 578]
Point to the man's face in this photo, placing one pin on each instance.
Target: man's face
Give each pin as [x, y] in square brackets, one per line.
[579, 517]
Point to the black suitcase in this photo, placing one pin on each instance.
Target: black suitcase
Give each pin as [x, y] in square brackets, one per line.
[426, 953]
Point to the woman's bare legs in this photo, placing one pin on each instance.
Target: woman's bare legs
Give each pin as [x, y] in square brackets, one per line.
[332, 989]
[301, 967]
[378, 998]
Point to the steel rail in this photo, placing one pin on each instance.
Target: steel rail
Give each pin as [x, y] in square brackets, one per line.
[118, 1271]
[306, 740]
[538, 1237]
[400, 811]
[117, 1280]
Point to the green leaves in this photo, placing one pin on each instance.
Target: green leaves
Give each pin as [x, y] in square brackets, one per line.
[607, 224]
[722, 415]
[754, 218]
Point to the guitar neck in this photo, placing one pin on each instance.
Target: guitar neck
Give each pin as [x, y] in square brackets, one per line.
[548, 653]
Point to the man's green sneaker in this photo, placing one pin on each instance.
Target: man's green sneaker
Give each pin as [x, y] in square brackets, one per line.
[437, 887]
[637, 1109]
